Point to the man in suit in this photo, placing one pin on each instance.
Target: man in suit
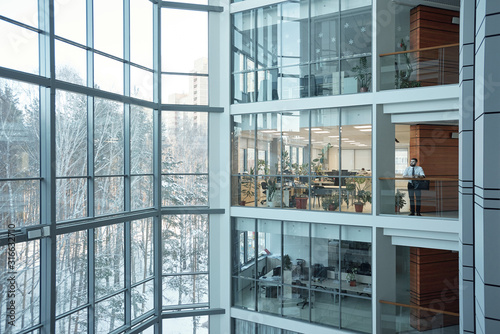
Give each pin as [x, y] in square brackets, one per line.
[414, 171]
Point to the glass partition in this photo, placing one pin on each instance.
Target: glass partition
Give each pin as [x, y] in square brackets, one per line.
[323, 276]
[303, 159]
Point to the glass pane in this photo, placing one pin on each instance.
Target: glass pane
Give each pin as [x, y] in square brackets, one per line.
[109, 259]
[141, 83]
[294, 36]
[108, 137]
[198, 325]
[356, 32]
[177, 55]
[326, 308]
[268, 143]
[325, 30]
[70, 20]
[20, 285]
[356, 314]
[184, 142]
[243, 190]
[108, 74]
[243, 142]
[141, 32]
[243, 293]
[74, 323]
[142, 299]
[141, 188]
[71, 199]
[19, 129]
[109, 196]
[183, 190]
[110, 314]
[71, 134]
[27, 13]
[243, 327]
[184, 89]
[267, 35]
[185, 243]
[185, 289]
[294, 82]
[71, 273]
[141, 140]
[328, 78]
[108, 27]
[244, 41]
[19, 48]
[142, 249]
[244, 90]
[19, 204]
[243, 246]
[71, 63]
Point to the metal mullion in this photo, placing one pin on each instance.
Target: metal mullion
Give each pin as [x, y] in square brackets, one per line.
[90, 169]
[22, 25]
[75, 310]
[22, 179]
[190, 6]
[47, 167]
[157, 255]
[146, 280]
[111, 295]
[186, 74]
[187, 274]
[184, 306]
[127, 164]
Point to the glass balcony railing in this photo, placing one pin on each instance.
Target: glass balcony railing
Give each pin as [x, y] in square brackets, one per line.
[439, 200]
[431, 66]
[401, 318]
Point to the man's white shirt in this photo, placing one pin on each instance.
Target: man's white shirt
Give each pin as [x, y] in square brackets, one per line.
[419, 171]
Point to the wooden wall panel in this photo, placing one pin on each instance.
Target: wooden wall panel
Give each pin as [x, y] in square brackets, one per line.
[433, 284]
[433, 27]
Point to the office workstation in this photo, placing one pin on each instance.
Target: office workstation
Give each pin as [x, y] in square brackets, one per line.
[312, 272]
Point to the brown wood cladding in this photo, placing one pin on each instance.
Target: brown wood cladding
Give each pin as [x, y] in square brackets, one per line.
[433, 27]
[437, 154]
[433, 284]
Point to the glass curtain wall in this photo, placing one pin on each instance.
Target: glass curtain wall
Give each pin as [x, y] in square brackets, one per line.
[302, 49]
[308, 159]
[319, 273]
[95, 161]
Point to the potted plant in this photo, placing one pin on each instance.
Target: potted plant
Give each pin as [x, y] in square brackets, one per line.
[399, 200]
[351, 276]
[287, 263]
[247, 189]
[301, 201]
[270, 192]
[362, 194]
[363, 74]
[321, 159]
[402, 77]
[330, 203]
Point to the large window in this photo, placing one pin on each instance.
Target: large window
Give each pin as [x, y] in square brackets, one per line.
[94, 163]
[302, 49]
[316, 160]
[318, 273]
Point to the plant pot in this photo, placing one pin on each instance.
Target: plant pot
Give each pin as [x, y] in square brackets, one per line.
[352, 283]
[397, 209]
[301, 202]
[270, 204]
[243, 203]
[332, 207]
[363, 89]
[358, 207]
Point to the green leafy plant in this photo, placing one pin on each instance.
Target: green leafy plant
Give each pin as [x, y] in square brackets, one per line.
[399, 199]
[360, 187]
[402, 77]
[271, 189]
[321, 159]
[351, 276]
[330, 203]
[363, 74]
[287, 263]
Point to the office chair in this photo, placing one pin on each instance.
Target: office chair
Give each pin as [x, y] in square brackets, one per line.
[304, 294]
